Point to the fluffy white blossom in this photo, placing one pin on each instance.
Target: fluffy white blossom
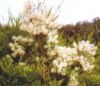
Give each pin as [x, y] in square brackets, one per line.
[38, 25]
[17, 49]
[64, 58]
[38, 22]
[22, 40]
[52, 37]
[70, 56]
[60, 66]
[17, 46]
[85, 46]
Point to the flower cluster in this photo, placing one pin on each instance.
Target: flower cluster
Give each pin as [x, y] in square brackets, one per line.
[41, 22]
[52, 40]
[52, 37]
[80, 55]
[17, 47]
[68, 57]
[86, 47]
[22, 40]
[64, 58]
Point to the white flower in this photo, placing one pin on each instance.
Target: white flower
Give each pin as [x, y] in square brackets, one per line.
[52, 37]
[18, 50]
[68, 56]
[85, 46]
[41, 21]
[65, 52]
[88, 67]
[22, 40]
[59, 66]
[51, 53]
[17, 47]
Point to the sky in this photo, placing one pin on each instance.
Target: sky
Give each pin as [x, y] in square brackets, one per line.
[72, 11]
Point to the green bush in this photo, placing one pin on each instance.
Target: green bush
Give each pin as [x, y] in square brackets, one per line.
[34, 67]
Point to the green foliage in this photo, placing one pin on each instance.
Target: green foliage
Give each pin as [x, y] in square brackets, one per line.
[16, 74]
[6, 33]
[55, 83]
[23, 73]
